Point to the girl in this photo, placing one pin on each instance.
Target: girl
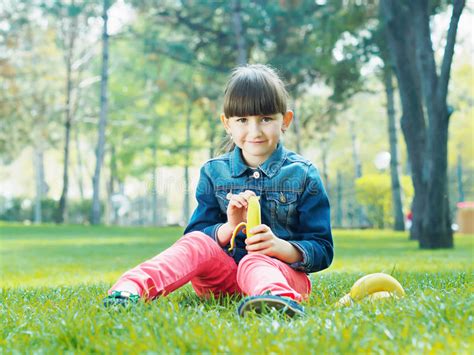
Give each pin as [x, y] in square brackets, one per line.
[295, 239]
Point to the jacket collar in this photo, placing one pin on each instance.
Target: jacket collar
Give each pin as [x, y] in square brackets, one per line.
[270, 167]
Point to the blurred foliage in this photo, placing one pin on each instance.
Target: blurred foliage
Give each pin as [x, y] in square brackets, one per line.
[374, 193]
[22, 210]
[30, 88]
[169, 61]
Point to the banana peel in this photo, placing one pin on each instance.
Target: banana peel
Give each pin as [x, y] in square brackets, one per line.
[373, 287]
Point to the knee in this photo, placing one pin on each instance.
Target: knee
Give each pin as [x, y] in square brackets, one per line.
[254, 258]
[250, 260]
[196, 235]
[197, 238]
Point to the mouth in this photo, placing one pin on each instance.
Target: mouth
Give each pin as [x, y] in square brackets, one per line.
[256, 142]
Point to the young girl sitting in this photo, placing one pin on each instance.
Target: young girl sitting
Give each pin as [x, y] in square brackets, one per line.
[295, 239]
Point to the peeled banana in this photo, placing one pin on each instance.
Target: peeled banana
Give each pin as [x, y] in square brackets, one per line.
[373, 286]
[345, 301]
[372, 283]
[254, 218]
[379, 295]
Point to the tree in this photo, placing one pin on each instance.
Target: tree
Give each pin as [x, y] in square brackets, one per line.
[399, 221]
[95, 218]
[71, 19]
[70, 36]
[239, 32]
[29, 108]
[298, 38]
[407, 25]
[376, 45]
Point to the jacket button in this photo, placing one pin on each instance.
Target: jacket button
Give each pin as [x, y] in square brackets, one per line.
[256, 175]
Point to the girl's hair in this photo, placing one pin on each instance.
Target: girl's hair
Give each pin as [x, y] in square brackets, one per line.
[253, 89]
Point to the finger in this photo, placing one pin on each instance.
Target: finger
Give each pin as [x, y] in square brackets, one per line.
[235, 204]
[261, 228]
[257, 247]
[248, 193]
[267, 251]
[258, 238]
[241, 199]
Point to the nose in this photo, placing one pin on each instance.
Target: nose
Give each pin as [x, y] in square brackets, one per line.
[254, 128]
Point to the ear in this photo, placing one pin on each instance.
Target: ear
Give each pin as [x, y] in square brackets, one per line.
[225, 122]
[287, 119]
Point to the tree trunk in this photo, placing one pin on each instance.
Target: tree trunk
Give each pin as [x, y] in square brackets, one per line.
[400, 40]
[437, 232]
[154, 190]
[239, 32]
[103, 119]
[212, 130]
[187, 160]
[409, 40]
[112, 216]
[40, 183]
[399, 223]
[212, 143]
[80, 180]
[339, 200]
[459, 178]
[62, 208]
[355, 151]
[357, 167]
[324, 159]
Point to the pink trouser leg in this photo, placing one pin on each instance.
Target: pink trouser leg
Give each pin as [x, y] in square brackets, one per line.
[195, 257]
[258, 274]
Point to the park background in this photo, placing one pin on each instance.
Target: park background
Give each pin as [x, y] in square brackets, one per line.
[109, 108]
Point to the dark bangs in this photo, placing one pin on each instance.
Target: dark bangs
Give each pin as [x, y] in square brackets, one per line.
[254, 90]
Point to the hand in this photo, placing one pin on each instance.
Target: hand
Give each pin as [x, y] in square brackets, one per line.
[237, 208]
[265, 242]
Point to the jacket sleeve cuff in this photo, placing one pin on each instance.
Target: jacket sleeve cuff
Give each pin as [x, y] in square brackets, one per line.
[303, 264]
[211, 231]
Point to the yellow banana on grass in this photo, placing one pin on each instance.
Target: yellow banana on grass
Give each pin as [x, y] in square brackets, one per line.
[254, 218]
[373, 286]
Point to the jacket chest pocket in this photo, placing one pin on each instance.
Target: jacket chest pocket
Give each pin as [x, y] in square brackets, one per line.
[282, 208]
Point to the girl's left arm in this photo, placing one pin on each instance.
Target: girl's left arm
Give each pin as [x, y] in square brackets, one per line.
[314, 237]
[207, 216]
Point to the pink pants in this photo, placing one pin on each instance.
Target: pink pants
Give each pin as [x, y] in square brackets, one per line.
[197, 258]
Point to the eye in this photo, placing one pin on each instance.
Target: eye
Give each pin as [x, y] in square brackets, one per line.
[242, 119]
[267, 119]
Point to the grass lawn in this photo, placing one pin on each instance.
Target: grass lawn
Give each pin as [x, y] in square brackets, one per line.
[54, 278]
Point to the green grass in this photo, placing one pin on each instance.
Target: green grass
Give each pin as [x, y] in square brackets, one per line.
[53, 279]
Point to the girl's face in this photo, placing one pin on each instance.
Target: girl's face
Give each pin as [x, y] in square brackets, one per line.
[257, 136]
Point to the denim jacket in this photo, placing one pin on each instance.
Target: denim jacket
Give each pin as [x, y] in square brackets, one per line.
[294, 203]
